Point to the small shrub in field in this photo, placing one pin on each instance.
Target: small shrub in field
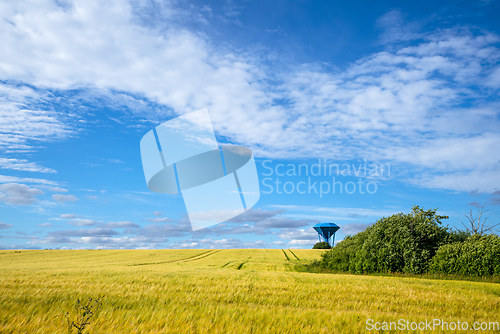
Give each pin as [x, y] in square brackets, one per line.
[477, 256]
[322, 245]
[84, 313]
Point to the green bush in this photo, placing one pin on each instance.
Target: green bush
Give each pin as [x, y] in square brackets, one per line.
[344, 256]
[322, 245]
[477, 256]
[402, 243]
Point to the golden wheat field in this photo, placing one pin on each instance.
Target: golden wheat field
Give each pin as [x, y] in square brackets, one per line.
[221, 291]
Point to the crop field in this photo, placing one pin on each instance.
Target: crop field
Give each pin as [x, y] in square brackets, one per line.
[221, 291]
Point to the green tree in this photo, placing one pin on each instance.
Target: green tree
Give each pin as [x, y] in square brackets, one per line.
[322, 245]
[399, 243]
[477, 256]
[344, 256]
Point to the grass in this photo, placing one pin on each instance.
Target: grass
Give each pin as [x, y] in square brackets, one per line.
[220, 291]
[314, 267]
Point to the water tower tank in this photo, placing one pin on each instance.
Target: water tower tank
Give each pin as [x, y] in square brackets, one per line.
[326, 231]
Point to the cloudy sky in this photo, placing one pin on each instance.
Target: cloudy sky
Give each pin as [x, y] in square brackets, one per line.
[401, 97]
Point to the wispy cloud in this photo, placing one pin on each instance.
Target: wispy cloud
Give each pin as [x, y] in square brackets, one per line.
[231, 9]
[284, 222]
[64, 198]
[21, 121]
[160, 220]
[342, 211]
[230, 243]
[91, 222]
[58, 189]
[396, 28]
[24, 165]
[83, 222]
[14, 179]
[255, 215]
[85, 232]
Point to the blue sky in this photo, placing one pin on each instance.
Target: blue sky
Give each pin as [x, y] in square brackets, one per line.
[410, 86]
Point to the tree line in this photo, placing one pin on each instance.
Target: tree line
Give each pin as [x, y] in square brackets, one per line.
[418, 243]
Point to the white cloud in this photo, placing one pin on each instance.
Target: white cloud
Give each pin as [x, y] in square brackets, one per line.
[24, 165]
[227, 229]
[185, 245]
[476, 180]
[308, 235]
[230, 243]
[83, 222]
[91, 222]
[480, 152]
[115, 161]
[160, 220]
[14, 179]
[19, 123]
[58, 189]
[18, 194]
[45, 225]
[64, 198]
[301, 242]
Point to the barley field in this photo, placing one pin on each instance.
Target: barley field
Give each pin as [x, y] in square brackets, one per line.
[221, 291]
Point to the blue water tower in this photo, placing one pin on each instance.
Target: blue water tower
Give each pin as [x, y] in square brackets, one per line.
[327, 232]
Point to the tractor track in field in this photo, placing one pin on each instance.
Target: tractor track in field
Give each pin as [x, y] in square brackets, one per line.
[202, 256]
[227, 264]
[294, 254]
[191, 258]
[240, 266]
[286, 255]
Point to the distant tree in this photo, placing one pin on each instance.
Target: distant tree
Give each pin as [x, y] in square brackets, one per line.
[322, 245]
[477, 225]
